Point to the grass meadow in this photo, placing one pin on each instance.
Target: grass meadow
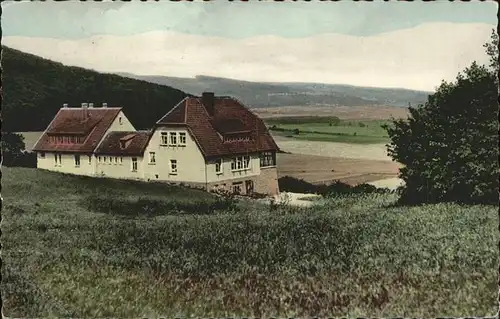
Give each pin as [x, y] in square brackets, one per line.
[330, 129]
[84, 247]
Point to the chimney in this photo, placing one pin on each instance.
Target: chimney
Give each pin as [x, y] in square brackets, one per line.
[84, 105]
[91, 105]
[105, 105]
[65, 105]
[208, 100]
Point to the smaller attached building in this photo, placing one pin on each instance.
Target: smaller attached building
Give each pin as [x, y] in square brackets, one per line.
[121, 154]
[69, 142]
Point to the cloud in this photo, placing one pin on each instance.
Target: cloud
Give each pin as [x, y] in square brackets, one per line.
[416, 58]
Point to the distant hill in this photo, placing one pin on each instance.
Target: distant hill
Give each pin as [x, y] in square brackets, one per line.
[263, 94]
[34, 89]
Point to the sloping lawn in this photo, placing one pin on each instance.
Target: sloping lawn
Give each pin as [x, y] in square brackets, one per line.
[85, 247]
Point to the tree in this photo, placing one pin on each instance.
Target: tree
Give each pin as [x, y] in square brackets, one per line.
[12, 143]
[492, 50]
[449, 145]
[13, 151]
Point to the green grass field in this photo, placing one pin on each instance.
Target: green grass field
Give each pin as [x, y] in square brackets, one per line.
[329, 129]
[83, 247]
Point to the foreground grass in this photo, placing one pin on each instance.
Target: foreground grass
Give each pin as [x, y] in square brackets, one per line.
[65, 255]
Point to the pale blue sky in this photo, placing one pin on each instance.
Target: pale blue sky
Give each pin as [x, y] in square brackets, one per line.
[75, 19]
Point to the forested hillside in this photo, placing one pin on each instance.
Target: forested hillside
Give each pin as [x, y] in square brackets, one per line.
[35, 88]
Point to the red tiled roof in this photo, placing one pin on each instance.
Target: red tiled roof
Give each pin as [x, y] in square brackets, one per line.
[177, 115]
[207, 130]
[91, 124]
[135, 143]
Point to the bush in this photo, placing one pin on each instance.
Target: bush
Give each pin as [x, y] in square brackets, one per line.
[148, 207]
[20, 159]
[295, 185]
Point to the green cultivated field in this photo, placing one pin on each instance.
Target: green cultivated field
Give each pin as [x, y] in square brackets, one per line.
[83, 247]
[330, 129]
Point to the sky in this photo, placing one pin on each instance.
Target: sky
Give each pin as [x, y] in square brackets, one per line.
[389, 44]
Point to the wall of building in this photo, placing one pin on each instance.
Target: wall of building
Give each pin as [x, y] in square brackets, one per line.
[125, 124]
[67, 164]
[227, 174]
[190, 160]
[267, 181]
[119, 167]
[264, 183]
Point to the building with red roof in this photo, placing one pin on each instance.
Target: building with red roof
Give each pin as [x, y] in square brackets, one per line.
[213, 142]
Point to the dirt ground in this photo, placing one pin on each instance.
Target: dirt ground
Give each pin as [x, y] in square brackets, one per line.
[322, 170]
[343, 112]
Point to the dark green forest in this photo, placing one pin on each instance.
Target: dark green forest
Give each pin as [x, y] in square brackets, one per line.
[34, 89]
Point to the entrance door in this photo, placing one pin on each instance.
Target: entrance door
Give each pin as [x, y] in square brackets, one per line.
[249, 187]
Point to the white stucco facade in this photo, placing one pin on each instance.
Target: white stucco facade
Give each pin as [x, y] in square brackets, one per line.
[120, 124]
[190, 163]
[120, 167]
[68, 163]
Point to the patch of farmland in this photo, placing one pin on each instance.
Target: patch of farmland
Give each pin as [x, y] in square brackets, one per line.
[323, 170]
[377, 152]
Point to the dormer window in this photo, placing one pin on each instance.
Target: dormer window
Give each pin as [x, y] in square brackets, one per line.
[236, 138]
[66, 139]
[126, 140]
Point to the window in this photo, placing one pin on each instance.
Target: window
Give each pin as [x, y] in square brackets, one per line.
[57, 159]
[77, 160]
[90, 159]
[104, 159]
[116, 160]
[182, 138]
[218, 166]
[152, 159]
[246, 162]
[134, 164]
[42, 154]
[173, 166]
[249, 187]
[121, 160]
[120, 120]
[267, 159]
[173, 138]
[240, 163]
[237, 187]
[164, 138]
[99, 159]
